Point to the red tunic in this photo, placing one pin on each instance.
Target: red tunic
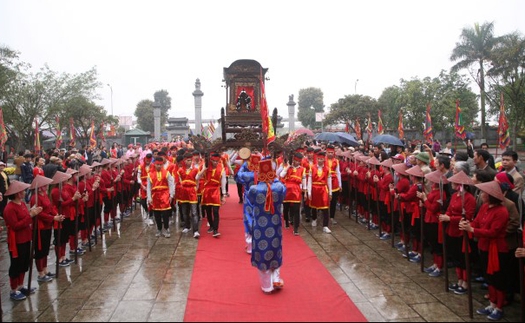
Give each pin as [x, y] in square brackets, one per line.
[333, 164]
[18, 223]
[320, 177]
[293, 180]
[455, 212]
[160, 191]
[188, 185]
[211, 193]
[491, 225]
[144, 171]
[432, 206]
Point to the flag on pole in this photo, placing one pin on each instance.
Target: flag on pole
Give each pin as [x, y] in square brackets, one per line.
[112, 131]
[37, 138]
[3, 131]
[72, 134]
[101, 134]
[357, 129]
[380, 128]
[503, 127]
[347, 127]
[400, 129]
[369, 128]
[58, 141]
[428, 127]
[460, 129]
[92, 138]
[267, 126]
[211, 128]
[205, 133]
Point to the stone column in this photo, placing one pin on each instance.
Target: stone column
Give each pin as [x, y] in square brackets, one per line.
[291, 114]
[156, 120]
[197, 95]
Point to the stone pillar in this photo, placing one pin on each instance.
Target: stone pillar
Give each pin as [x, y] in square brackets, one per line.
[291, 114]
[197, 95]
[156, 120]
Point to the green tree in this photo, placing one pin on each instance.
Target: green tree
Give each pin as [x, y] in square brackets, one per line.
[411, 98]
[43, 95]
[144, 114]
[472, 52]
[350, 108]
[310, 102]
[508, 75]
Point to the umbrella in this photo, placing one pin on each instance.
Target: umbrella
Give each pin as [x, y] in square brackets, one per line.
[306, 131]
[337, 137]
[387, 139]
[348, 139]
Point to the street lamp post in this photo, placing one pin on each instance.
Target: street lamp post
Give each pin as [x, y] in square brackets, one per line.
[111, 88]
[355, 86]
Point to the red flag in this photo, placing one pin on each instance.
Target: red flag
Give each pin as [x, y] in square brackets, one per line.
[380, 129]
[428, 127]
[400, 129]
[92, 138]
[101, 134]
[58, 141]
[347, 127]
[112, 131]
[357, 129]
[37, 138]
[72, 134]
[503, 127]
[267, 126]
[3, 131]
[369, 128]
[460, 129]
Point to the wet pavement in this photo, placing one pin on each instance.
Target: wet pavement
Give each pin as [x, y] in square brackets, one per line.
[134, 276]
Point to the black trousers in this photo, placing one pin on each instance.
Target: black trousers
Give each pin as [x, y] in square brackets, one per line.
[45, 241]
[20, 264]
[324, 213]
[162, 217]
[333, 203]
[212, 214]
[190, 216]
[291, 210]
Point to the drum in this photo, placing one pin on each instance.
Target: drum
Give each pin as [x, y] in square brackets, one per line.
[245, 153]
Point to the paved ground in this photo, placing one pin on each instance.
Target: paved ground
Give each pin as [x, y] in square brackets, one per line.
[134, 276]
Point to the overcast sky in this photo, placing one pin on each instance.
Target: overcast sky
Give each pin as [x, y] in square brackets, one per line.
[140, 47]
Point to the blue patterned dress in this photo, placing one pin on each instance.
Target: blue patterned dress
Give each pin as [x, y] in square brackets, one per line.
[245, 177]
[267, 252]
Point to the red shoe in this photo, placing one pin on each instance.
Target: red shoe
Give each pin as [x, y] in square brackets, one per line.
[279, 284]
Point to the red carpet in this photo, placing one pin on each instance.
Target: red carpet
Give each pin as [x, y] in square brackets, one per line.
[225, 287]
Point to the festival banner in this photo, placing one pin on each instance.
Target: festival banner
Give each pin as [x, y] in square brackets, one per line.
[428, 127]
[369, 128]
[459, 128]
[72, 134]
[92, 138]
[357, 129]
[266, 120]
[37, 138]
[400, 128]
[211, 128]
[58, 140]
[503, 127]
[380, 127]
[3, 131]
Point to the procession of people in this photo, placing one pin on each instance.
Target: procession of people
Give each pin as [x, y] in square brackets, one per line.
[468, 218]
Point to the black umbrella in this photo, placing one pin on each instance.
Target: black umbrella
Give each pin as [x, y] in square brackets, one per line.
[340, 137]
[387, 139]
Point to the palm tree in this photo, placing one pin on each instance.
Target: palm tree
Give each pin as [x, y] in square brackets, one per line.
[475, 46]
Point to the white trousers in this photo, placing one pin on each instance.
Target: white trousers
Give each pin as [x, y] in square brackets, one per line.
[268, 277]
